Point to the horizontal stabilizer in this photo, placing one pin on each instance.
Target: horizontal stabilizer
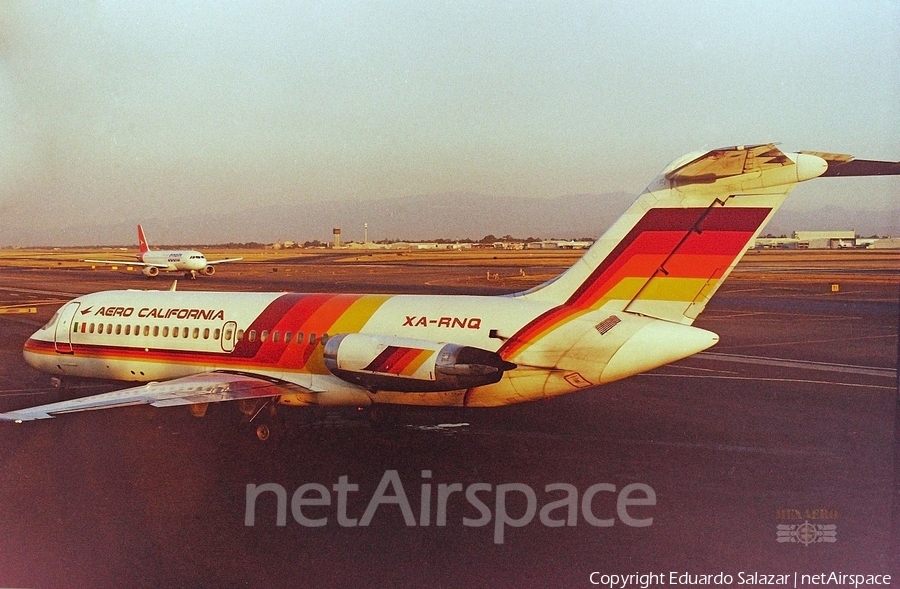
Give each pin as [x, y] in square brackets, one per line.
[727, 162]
[846, 165]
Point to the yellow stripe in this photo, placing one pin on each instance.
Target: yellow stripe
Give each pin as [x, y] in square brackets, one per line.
[673, 289]
[358, 314]
[417, 362]
[660, 288]
[350, 321]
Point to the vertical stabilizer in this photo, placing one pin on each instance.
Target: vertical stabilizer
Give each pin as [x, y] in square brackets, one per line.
[671, 250]
[142, 241]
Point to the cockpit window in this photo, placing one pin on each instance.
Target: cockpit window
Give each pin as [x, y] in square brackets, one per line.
[53, 319]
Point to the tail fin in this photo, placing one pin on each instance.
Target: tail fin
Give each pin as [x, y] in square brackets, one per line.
[673, 248]
[142, 240]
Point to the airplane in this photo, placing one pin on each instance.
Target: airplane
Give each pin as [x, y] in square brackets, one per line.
[627, 306]
[153, 261]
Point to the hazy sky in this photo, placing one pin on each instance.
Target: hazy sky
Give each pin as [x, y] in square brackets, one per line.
[135, 110]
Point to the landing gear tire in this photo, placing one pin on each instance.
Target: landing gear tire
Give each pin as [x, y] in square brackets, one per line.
[263, 432]
[270, 433]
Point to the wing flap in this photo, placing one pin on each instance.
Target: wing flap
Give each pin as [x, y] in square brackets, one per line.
[208, 387]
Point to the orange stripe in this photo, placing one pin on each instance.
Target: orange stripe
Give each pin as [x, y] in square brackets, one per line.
[417, 362]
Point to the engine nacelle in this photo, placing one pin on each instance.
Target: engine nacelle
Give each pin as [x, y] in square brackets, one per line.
[209, 270]
[150, 271]
[387, 363]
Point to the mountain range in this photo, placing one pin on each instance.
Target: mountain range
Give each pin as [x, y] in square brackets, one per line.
[425, 217]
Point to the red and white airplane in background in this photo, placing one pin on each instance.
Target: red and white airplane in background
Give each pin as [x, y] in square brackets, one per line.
[624, 308]
[188, 261]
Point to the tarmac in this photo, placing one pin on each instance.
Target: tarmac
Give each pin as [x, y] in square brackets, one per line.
[775, 452]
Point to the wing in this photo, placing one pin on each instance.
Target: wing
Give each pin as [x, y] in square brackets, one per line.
[211, 263]
[128, 262]
[208, 387]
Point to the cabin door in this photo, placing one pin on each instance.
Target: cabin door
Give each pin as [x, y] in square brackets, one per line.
[229, 333]
[63, 334]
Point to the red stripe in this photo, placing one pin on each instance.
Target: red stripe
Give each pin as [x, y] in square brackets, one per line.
[693, 232]
[404, 361]
[386, 359]
[683, 223]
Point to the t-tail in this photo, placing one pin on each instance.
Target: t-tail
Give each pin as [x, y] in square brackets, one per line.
[673, 248]
[629, 304]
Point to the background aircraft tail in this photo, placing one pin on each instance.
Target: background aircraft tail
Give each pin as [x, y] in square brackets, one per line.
[673, 248]
[142, 240]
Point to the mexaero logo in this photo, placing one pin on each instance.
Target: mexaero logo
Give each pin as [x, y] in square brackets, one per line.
[161, 313]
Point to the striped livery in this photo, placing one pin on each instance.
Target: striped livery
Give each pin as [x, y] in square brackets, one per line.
[625, 307]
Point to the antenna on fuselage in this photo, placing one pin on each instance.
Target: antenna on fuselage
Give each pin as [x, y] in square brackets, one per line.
[174, 285]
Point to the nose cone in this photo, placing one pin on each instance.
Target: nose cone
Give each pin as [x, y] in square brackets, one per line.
[31, 352]
[654, 345]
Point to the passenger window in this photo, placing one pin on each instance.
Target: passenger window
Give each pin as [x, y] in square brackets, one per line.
[300, 337]
[128, 329]
[91, 329]
[118, 329]
[196, 333]
[287, 337]
[239, 335]
[217, 332]
[109, 329]
[100, 328]
[184, 332]
[165, 331]
[156, 331]
[276, 337]
[206, 333]
[137, 330]
[312, 339]
[75, 327]
[174, 332]
[264, 335]
[146, 330]
[252, 335]
[324, 339]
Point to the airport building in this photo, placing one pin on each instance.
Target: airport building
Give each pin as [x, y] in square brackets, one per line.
[825, 239]
[812, 240]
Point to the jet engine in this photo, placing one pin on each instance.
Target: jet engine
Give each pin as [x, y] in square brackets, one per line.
[209, 270]
[150, 271]
[411, 365]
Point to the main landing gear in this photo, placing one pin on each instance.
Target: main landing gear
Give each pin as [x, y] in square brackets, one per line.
[263, 417]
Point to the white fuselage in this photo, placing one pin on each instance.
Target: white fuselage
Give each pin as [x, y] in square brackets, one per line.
[160, 335]
[175, 260]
